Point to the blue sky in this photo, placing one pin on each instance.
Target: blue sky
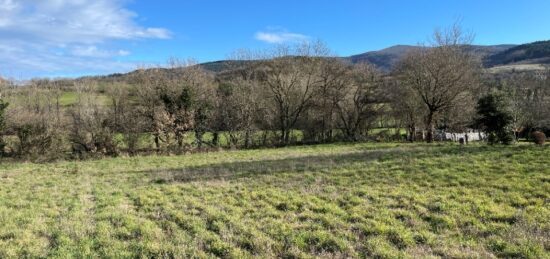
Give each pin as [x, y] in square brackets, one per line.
[85, 37]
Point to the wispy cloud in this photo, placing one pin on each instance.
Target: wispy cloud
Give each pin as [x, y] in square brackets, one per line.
[54, 36]
[94, 52]
[280, 36]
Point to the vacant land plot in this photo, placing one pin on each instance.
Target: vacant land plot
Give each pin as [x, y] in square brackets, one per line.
[362, 200]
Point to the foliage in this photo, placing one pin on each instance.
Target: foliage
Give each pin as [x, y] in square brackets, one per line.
[494, 118]
[332, 201]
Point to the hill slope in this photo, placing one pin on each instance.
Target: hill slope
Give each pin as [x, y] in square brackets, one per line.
[384, 59]
[531, 53]
[387, 58]
[493, 56]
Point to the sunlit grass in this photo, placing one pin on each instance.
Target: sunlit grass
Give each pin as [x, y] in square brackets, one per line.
[68, 98]
[358, 200]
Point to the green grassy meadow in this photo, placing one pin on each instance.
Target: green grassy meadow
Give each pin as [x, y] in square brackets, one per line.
[341, 200]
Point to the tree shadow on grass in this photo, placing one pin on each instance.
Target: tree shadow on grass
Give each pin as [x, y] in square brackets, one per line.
[319, 163]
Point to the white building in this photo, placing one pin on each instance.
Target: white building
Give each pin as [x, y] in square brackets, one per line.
[466, 136]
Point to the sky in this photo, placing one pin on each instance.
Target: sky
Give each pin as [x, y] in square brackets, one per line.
[71, 38]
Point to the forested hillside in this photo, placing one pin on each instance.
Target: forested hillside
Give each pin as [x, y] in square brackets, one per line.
[532, 53]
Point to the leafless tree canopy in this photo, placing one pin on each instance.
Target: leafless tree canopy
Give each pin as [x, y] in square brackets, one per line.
[443, 76]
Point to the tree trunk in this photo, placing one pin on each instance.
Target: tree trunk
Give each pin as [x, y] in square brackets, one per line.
[283, 135]
[247, 139]
[216, 139]
[157, 142]
[287, 137]
[264, 137]
[412, 132]
[198, 138]
[430, 127]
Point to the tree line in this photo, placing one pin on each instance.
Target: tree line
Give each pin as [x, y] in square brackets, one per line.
[287, 95]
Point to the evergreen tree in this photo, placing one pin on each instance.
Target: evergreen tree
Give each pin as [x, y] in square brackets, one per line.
[494, 118]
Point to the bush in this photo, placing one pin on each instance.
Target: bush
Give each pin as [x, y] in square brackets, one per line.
[90, 131]
[506, 137]
[384, 135]
[492, 138]
[538, 137]
[36, 133]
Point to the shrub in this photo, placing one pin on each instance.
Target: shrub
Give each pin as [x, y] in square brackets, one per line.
[90, 132]
[38, 134]
[384, 135]
[492, 138]
[506, 137]
[538, 137]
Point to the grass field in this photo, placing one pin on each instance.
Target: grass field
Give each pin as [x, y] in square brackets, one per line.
[361, 200]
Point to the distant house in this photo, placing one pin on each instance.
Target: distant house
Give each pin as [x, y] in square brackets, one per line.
[441, 135]
[469, 135]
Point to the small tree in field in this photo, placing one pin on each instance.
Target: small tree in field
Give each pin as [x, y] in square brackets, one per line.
[442, 76]
[494, 119]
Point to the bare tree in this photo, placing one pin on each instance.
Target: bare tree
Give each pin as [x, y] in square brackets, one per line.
[204, 88]
[239, 98]
[122, 116]
[148, 102]
[90, 131]
[237, 110]
[361, 103]
[405, 107]
[442, 75]
[528, 93]
[290, 77]
[36, 122]
[334, 79]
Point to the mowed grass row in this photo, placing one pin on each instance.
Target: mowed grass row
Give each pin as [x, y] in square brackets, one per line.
[358, 200]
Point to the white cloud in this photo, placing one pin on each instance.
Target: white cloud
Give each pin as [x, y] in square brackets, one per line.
[69, 21]
[7, 5]
[279, 37]
[123, 52]
[94, 52]
[22, 63]
[67, 35]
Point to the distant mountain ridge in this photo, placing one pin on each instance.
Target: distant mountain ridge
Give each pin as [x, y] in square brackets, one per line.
[387, 58]
[531, 53]
[491, 55]
[384, 59]
[504, 55]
